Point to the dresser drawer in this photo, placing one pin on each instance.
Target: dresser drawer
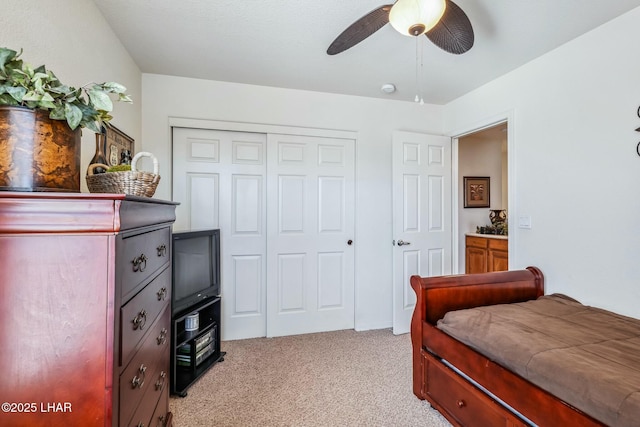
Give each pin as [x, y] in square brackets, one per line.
[154, 408]
[141, 256]
[463, 401]
[140, 313]
[160, 417]
[155, 401]
[144, 372]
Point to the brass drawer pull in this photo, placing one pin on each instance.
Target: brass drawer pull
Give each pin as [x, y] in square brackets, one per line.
[162, 294]
[461, 403]
[138, 381]
[139, 263]
[140, 320]
[161, 379]
[162, 250]
[162, 338]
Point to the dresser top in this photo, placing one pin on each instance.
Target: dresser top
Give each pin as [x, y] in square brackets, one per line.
[50, 212]
[43, 195]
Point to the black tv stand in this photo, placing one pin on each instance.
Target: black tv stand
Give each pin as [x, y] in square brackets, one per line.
[194, 352]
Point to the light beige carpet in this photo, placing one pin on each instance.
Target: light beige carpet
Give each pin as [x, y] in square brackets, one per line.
[342, 378]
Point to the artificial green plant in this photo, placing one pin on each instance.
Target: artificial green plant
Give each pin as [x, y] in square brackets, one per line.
[39, 88]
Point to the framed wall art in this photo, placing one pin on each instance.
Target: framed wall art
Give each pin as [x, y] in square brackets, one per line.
[476, 192]
[118, 146]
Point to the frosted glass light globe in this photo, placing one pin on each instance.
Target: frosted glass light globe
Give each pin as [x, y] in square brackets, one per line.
[415, 17]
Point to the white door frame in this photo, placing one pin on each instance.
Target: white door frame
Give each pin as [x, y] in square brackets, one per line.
[505, 117]
[260, 128]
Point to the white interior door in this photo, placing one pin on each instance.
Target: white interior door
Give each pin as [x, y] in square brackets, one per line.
[219, 179]
[310, 248]
[421, 216]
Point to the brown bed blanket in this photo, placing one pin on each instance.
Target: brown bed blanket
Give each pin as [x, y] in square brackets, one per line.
[586, 356]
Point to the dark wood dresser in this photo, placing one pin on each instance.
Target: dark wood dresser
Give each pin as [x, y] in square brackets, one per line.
[85, 316]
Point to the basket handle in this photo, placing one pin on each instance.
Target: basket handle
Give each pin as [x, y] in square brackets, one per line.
[135, 159]
[96, 165]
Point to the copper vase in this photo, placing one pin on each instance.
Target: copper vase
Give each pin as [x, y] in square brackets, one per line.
[37, 153]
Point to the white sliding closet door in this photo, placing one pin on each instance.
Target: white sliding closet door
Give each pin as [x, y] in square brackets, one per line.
[219, 179]
[310, 249]
[285, 206]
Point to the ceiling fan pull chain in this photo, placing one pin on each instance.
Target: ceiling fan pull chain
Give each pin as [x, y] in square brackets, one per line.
[421, 72]
[417, 98]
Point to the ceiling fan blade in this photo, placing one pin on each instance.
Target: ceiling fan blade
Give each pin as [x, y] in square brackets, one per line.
[453, 33]
[360, 30]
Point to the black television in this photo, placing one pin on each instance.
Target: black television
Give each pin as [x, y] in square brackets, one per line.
[196, 268]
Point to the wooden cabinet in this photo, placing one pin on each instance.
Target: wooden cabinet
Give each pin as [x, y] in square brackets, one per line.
[85, 312]
[498, 255]
[486, 254]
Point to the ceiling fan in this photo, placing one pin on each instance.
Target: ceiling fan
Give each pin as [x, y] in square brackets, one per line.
[442, 21]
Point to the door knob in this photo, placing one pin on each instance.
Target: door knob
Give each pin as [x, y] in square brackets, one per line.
[402, 243]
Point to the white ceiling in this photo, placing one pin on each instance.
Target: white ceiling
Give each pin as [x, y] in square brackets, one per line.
[283, 43]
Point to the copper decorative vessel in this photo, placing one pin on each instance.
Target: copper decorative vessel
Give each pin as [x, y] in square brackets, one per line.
[37, 153]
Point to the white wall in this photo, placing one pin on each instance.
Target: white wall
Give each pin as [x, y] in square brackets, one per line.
[576, 172]
[373, 119]
[72, 39]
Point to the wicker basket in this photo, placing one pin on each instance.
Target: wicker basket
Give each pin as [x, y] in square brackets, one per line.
[133, 182]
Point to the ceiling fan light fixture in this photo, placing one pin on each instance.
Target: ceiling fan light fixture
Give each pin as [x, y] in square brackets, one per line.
[416, 17]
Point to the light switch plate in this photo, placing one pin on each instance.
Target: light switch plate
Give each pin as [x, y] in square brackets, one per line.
[524, 221]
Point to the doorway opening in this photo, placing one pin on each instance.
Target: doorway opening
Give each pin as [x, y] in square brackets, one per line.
[481, 153]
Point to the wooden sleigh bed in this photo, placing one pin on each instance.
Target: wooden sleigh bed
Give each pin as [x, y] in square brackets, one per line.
[474, 386]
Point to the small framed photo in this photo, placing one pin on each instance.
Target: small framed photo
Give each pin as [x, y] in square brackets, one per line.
[119, 147]
[476, 192]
